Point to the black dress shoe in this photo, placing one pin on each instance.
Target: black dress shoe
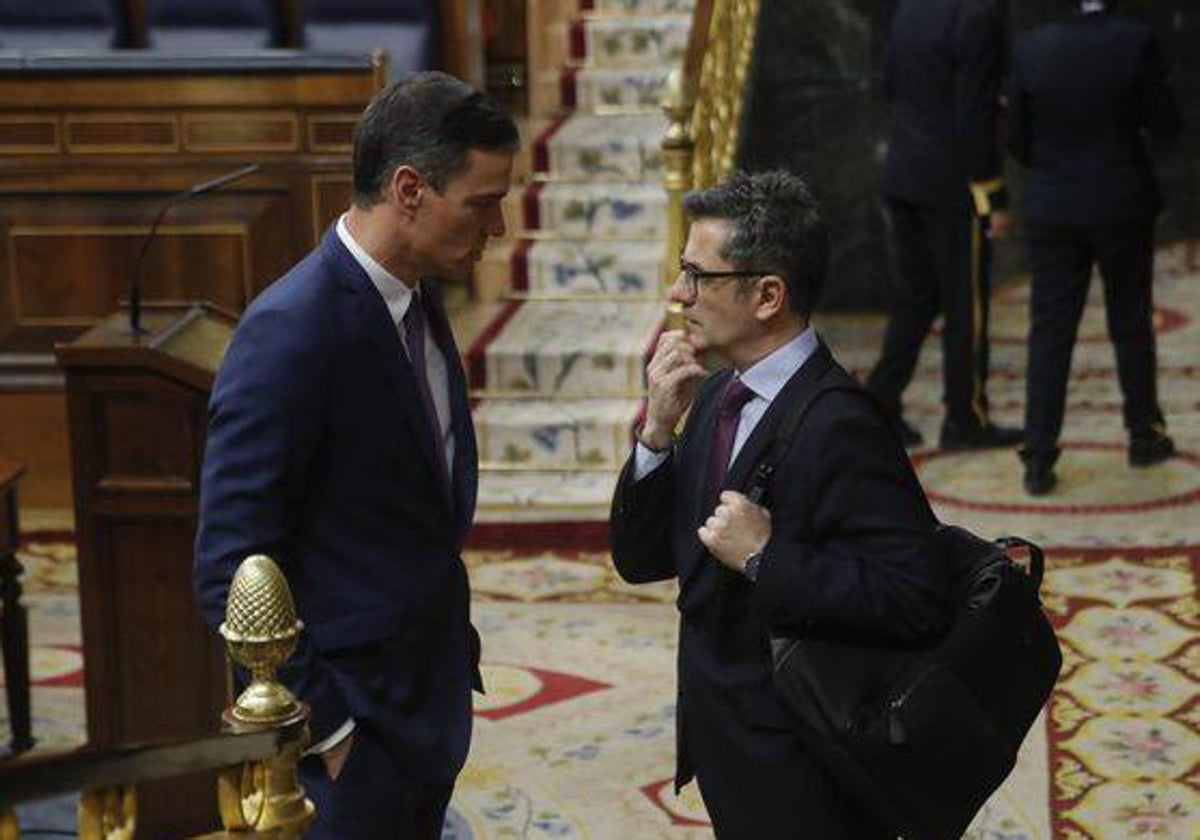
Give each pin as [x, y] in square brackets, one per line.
[988, 436]
[1039, 471]
[1149, 448]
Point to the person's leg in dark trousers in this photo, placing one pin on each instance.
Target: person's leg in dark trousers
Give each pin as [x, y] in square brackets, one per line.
[962, 258]
[373, 796]
[914, 306]
[1126, 257]
[1061, 262]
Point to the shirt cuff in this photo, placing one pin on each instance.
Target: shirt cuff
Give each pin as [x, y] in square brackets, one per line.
[646, 460]
[340, 734]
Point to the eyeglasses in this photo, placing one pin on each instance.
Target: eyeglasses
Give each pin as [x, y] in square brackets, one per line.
[694, 275]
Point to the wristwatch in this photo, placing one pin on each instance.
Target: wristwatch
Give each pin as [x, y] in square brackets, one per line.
[750, 568]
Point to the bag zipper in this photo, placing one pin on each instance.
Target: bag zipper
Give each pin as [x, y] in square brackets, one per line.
[895, 726]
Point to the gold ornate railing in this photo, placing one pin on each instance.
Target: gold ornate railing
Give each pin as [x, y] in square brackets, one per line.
[262, 739]
[704, 107]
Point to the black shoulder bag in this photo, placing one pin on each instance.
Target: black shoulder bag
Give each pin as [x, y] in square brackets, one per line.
[921, 738]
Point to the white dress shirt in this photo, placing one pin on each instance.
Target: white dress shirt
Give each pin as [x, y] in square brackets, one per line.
[765, 378]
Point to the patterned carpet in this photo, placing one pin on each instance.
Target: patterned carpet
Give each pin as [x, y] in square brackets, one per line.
[574, 739]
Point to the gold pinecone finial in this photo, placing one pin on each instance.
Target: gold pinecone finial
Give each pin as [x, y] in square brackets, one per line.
[260, 631]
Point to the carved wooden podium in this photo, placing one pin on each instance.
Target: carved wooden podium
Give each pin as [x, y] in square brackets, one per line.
[137, 409]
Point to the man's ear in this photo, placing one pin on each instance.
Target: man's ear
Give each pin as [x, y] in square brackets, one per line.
[772, 296]
[407, 189]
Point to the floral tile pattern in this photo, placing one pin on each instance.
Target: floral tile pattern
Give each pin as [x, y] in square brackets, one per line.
[568, 350]
[583, 266]
[562, 434]
[637, 42]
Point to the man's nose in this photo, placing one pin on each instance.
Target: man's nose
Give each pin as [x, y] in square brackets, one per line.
[679, 292]
[496, 226]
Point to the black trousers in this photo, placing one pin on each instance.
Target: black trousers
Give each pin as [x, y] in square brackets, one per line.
[1061, 259]
[373, 797]
[943, 265]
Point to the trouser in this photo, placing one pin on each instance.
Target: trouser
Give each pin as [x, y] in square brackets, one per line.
[943, 265]
[1061, 259]
[373, 797]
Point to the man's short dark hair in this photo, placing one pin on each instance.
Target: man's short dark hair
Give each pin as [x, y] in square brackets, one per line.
[777, 227]
[429, 121]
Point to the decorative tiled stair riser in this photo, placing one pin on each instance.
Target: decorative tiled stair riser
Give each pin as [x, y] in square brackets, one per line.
[559, 378]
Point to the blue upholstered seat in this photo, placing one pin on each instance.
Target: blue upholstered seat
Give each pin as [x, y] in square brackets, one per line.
[211, 26]
[405, 28]
[58, 25]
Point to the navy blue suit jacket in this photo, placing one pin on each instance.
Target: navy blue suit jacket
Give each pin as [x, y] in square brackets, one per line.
[319, 454]
[1089, 91]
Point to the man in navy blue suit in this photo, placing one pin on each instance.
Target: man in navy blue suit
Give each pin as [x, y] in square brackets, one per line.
[340, 443]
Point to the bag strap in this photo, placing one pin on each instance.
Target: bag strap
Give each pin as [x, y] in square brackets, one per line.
[785, 434]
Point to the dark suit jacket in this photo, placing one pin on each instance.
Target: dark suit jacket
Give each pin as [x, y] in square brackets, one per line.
[1087, 90]
[943, 72]
[848, 556]
[319, 454]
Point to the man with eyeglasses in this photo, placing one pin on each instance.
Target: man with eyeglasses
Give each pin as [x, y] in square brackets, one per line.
[841, 553]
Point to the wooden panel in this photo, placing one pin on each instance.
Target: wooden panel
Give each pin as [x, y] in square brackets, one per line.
[121, 133]
[246, 131]
[331, 195]
[331, 133]
[38, 437]
[28, 134]
[66, 259]
[145, 434]
[48, 262]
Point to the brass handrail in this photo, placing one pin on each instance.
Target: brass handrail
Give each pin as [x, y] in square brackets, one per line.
[704, 107]
[262, 739]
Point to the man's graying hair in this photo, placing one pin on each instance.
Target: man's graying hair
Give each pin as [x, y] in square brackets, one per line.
[429, 121]
[777, 227]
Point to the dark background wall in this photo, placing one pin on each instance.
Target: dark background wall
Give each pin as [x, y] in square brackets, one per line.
[814, 106]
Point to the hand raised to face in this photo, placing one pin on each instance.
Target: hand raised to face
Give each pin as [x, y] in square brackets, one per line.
[672, 376]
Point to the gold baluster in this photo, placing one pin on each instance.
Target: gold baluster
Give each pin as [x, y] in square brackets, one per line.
[261, 630]
[108, 813]
[9, 829]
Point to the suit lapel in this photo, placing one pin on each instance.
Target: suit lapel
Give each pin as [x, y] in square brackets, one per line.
[373, 321]
[699, 502]
[692, 469]
[801, 383]
[465, 467]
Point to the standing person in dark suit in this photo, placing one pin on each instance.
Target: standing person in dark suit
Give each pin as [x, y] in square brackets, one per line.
[1089, 91]
[946, 201]
[340, 443]
[844, 550]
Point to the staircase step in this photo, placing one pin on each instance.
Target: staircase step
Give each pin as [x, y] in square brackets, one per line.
[598, 88]
[589, 267]
[650, 41]
[590, 147]
[637, 7]
[569, 349]
[555, 434]
[539, 496]
[589, 210]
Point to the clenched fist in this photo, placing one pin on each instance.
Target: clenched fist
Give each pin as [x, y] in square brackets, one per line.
[736, 529]
[672, 376]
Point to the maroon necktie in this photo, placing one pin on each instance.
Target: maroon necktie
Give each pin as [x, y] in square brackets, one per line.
[414, 340]
[729, 411]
